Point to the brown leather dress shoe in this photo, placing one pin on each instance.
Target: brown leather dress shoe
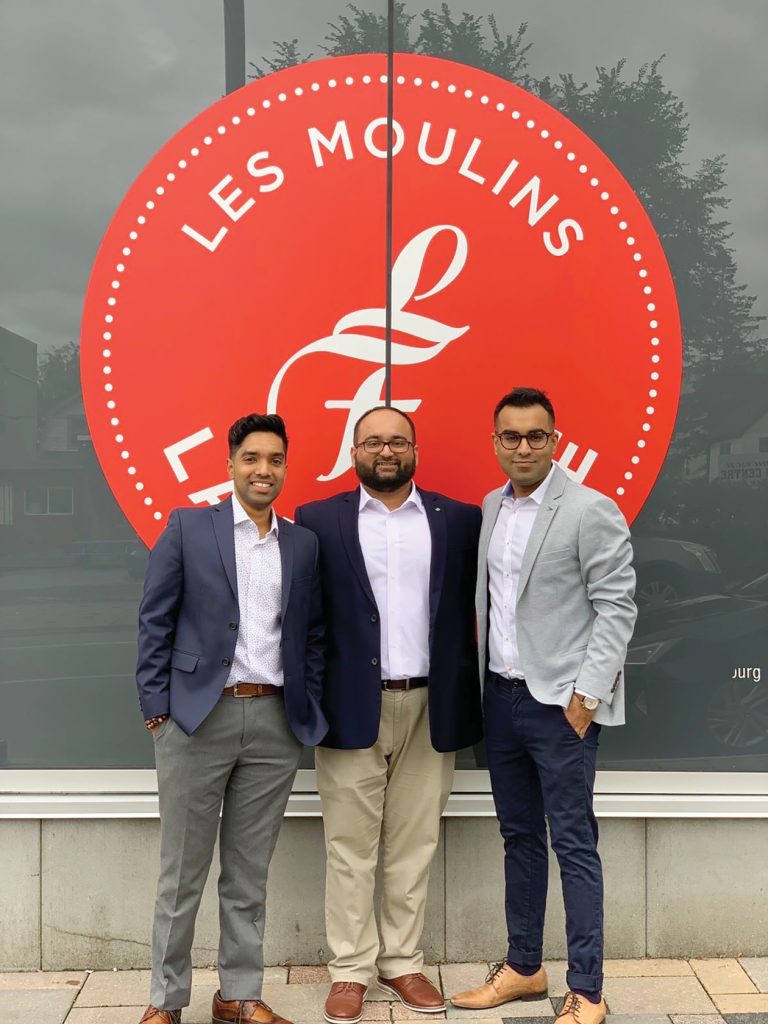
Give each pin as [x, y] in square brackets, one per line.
[577, 1010]
[154, 1016]
[415, 991]
[344, 1004]
[243, 1011]
[502, 985]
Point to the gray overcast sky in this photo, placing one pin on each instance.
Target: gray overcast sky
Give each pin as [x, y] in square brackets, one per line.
[90, 89]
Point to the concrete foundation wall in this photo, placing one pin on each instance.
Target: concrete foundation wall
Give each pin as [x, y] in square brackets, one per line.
[79, 894]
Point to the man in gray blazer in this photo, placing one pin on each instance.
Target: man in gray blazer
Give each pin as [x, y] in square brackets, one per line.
[555, 615]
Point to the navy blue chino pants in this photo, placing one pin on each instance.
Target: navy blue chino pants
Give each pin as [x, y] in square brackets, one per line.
[539, 767]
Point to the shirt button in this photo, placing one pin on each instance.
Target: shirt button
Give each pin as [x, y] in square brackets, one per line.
[374, 618]
[374, 661]
[233, 625]
[226, 662]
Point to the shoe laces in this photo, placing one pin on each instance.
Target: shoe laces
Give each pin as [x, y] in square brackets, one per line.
[495, 971]
[571, 1004]
[244, 1008]
[346, 986]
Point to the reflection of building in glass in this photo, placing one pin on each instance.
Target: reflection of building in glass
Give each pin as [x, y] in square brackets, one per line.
[52, 493]
[729, 439]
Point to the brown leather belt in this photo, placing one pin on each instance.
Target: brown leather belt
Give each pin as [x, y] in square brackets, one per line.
[251, 690]
[403, 684]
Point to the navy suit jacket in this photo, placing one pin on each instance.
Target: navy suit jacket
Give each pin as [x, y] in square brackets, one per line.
[190, 616]
[352, 681]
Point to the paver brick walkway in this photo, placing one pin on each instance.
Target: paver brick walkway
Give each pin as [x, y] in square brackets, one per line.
[725, 991]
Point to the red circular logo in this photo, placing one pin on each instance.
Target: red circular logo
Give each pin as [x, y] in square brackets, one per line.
[245, 270]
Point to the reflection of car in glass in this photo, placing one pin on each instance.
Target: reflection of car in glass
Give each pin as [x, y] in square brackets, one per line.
[671, 570]
[695, 682]
[756, 588]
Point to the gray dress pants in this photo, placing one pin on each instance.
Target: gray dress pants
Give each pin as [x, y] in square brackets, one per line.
[239, 764]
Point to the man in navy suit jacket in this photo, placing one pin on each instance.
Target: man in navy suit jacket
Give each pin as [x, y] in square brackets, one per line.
[229, 676]
[401, 693]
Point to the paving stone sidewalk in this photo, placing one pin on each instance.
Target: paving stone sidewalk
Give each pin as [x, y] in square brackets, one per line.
[727, 991]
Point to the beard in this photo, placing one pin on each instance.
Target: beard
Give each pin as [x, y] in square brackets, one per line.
[372, 477]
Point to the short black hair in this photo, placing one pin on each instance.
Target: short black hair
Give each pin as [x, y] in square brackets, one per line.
[256, 423]
[378, 408]
[524, 398]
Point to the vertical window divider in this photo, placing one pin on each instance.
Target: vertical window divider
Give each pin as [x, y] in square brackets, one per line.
[389, 203]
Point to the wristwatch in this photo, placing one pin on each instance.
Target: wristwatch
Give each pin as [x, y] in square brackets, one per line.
[588, 703]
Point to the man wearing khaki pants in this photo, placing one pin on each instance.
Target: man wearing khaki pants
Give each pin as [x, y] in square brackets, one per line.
[401, 694]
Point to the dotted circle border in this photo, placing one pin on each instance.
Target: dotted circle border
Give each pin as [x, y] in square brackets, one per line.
[418, 81]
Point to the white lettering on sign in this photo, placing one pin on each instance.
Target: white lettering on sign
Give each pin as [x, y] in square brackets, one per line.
[565, 460]
[212, 495]
[557, 238]
[174, 451]
[227, 202]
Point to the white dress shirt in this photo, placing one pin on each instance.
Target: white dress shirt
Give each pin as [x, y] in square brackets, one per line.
[397, 550]
[505, 559]
[258, 658]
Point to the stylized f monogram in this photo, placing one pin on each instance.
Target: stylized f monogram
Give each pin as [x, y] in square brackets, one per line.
[350, 340]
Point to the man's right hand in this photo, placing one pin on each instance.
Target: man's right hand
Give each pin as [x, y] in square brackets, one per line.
[156, 722]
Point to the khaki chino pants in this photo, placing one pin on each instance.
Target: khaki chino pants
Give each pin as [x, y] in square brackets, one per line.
[392, 796]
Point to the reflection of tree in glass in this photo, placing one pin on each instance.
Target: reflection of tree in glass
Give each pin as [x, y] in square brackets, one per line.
[643, 127]
[58, 375]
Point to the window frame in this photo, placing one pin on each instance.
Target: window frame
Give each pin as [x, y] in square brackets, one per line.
[48, 488]
[125, 793]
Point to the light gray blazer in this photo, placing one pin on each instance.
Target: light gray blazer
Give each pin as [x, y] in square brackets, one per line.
[575, 612]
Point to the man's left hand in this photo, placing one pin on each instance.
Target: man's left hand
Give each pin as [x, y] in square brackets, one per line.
[578, 717]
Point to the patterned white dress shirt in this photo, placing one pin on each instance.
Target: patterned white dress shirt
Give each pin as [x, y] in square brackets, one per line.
[258, 658]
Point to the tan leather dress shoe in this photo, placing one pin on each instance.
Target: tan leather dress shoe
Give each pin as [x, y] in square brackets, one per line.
[154, 1016]
[344, 1004]
[502, 985]
[578, 1010]
[243, 1011]
[415, 991]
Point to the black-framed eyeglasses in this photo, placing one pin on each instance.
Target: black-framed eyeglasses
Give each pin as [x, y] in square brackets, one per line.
[537, 439]
[374, 445]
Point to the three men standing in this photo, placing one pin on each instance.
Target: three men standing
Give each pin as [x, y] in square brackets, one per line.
[401, 694]
[229, 675]
[555, 615]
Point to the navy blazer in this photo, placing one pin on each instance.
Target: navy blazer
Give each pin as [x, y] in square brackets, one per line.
[352, 681]
[189, 619]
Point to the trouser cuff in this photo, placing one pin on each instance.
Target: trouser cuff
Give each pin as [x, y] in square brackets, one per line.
[584, 982]
[526, 958]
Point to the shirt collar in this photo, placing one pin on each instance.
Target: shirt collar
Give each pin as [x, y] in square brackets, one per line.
[241, 516]
[366, 500]
[537, 495]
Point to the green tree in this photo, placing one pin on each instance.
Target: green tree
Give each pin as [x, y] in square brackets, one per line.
[286, 55]
[367, 32]
[466, 40]
[642, 126]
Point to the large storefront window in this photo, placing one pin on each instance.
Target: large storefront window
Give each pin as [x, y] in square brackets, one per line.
[476, 293]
